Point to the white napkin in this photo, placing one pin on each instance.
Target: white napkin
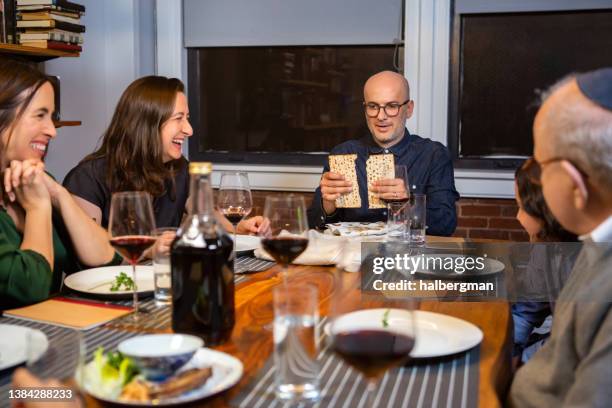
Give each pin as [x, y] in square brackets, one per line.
[322, 250]
[357, 229]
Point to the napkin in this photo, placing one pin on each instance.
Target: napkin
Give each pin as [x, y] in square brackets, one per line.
[322, 250]
[357, 229]
[71, 313]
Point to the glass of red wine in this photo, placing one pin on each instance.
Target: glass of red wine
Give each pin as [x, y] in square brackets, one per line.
[371, 333]
[234, 200]
[130, 226]
[287, 236]
[401, 176]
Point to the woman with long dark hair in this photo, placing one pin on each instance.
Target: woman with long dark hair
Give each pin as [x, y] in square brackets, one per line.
[43, 232]
[141, 150]
[551, 260]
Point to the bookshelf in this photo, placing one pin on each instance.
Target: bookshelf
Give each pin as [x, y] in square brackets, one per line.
[33, 53]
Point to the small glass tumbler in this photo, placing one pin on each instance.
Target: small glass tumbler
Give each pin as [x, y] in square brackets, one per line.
[398, 221]
[296, 315]
[418, 222]
[161, 265]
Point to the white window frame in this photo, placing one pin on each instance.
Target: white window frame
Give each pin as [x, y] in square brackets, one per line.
[427, 30]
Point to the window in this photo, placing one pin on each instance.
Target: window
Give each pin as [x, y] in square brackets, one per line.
[279, 105]
[498, 63]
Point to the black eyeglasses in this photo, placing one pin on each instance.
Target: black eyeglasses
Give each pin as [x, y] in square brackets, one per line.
[391, 109]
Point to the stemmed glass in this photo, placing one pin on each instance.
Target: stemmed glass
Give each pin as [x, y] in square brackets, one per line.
[234, 200]
[401, 173]
[287, 236]
[130, 226]
[371, 332]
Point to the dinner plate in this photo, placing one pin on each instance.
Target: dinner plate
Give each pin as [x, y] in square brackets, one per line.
[491, 267]
[14, 345]
[226, 372]
[246, 243]
[98, 281]
[437, 334]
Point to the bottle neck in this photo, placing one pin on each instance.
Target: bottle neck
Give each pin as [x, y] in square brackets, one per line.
[201, 196]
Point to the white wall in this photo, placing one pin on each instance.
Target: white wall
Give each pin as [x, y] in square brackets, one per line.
[119, 46]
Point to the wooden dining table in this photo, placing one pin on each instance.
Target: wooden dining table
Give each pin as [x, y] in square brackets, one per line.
[252, 341]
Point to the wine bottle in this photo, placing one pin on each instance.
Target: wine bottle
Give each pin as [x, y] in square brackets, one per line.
[202, 267]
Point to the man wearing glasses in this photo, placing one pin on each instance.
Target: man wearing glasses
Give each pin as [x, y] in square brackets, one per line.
[387, 106]
[573, 144]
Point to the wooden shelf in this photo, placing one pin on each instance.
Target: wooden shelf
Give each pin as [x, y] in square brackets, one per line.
[62, 123]
[33, 53]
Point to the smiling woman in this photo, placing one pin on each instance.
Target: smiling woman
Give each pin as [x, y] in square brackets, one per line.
[142, 151]
[34, 249]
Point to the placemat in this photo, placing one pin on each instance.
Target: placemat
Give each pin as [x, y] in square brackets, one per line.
[246, 264]
[446, 382]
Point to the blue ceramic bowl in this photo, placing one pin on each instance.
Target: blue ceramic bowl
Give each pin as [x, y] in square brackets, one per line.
[158, 356]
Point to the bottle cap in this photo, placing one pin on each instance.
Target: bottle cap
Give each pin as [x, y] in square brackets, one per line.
[200, 168]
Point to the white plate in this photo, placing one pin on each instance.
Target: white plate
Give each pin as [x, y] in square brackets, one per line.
[437, 334]
[227, 371]
[14, 345]
[98, 281]
[247, 243]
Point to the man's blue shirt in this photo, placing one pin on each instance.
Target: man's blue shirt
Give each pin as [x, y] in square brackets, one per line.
[430, 171]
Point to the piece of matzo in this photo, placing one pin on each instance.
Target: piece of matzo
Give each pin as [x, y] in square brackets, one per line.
[345, 164]
[379, 167]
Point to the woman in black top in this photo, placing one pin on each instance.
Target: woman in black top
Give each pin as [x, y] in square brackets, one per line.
[141, 150]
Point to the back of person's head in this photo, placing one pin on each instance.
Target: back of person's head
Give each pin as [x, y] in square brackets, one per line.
[573, 144]
[132, 143]
[532, 202]
[18, 84]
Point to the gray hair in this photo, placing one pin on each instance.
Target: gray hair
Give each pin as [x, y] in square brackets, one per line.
[583, 134]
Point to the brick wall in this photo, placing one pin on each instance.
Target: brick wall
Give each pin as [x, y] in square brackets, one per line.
[477, 218]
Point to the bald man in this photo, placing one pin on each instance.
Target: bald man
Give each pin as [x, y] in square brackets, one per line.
[387, 106]
[573, 145]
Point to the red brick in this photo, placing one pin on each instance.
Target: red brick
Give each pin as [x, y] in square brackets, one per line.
[509, 211]
[495, 201]
[480, 210]
[470, 222]
[490, 234]
[505, 223]
[520, 236]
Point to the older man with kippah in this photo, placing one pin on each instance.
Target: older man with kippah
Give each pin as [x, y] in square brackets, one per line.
[573, 144]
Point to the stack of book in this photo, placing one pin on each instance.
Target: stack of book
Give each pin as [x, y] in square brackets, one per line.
[52, 24]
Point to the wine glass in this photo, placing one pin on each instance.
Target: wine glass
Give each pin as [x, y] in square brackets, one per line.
[371, 332]
[130, 226]
[234, 200]
[401, 173]
[287, 236]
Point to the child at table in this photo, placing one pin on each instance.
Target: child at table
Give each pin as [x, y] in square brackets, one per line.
[43, 232]
[537, 220]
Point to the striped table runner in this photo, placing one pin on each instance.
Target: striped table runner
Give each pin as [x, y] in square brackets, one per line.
[448, 382]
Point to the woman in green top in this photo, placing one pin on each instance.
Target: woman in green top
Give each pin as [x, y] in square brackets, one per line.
[42, 230]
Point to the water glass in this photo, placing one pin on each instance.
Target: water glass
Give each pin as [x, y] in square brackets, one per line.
[161, 265]
[418, 211]
[296, 315]
[397, 221]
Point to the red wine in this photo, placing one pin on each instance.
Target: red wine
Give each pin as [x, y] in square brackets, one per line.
[284, 249]
[395, 200]
[131, 247]
[234, 214]
[373, 351]
[203, 289]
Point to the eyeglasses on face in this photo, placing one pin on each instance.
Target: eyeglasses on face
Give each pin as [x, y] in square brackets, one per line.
[391, 109]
